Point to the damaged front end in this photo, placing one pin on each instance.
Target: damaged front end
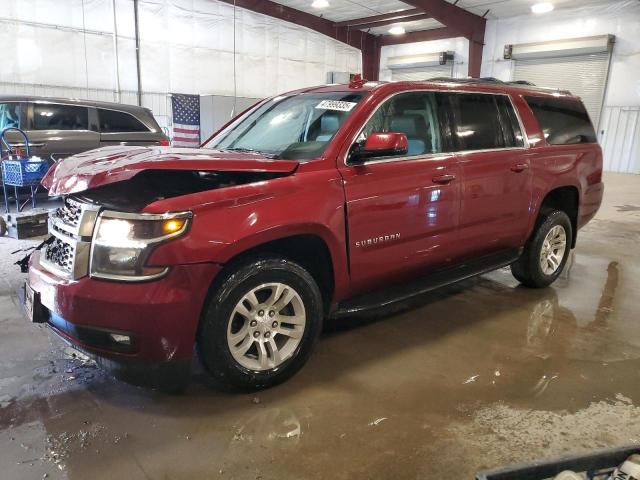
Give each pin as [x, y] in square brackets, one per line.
[117, 183]
[93, 281]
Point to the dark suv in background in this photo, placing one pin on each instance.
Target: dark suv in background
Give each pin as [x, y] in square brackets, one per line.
[58, 127]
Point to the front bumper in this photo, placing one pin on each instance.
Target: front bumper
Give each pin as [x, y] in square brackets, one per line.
[160, 317]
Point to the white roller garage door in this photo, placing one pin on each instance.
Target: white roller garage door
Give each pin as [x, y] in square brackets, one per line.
[421, 73]
[582, 75]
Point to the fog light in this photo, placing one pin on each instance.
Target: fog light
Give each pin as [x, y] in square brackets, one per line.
[121, 339]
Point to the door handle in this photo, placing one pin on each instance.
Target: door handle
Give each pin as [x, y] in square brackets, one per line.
[519, 167]
[444, 179]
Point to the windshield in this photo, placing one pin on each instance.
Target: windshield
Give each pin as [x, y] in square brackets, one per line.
[294, 127]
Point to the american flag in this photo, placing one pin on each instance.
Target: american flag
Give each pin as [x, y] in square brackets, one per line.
[186, 120]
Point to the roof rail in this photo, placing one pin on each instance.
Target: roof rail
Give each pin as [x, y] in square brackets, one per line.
[491, 80]
[522, 82]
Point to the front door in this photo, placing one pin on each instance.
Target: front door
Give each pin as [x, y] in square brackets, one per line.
[402, 212]
[495, 168]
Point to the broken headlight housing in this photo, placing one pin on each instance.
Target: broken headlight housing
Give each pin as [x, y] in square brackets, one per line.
[122, 243]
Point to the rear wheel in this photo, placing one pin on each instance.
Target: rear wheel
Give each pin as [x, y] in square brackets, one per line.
[261, 324]
[546, 253]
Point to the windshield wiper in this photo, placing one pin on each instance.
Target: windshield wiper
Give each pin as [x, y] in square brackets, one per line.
[250, 150]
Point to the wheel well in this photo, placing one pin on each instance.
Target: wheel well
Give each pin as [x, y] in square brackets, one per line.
[309, 251]
[565, 199]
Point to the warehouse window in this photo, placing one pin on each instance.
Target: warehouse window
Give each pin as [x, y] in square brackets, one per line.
[9, 115]
[477, 122]
[51, 116]
[112, 121]
[563, 121]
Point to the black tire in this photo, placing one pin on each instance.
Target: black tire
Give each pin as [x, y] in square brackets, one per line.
[3, 227]
[212, 344]
[527, 269]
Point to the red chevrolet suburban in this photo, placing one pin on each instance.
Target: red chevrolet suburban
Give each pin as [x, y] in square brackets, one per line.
[318, 203]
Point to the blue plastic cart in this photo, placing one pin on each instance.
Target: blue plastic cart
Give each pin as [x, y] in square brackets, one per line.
[18, 170]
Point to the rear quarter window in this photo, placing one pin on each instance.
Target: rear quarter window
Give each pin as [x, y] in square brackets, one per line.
[563, 121]
[112, 121]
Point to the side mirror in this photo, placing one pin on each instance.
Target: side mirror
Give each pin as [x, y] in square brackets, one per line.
[380, 145]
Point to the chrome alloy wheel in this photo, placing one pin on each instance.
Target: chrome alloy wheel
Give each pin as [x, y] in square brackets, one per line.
[266, 326]
[553, 248]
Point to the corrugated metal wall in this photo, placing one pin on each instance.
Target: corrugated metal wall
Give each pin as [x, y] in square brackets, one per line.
[422, 73]
[621, 139]
[583, 75]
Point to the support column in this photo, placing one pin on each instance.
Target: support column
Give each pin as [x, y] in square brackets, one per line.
[475, 58]
[371, 58]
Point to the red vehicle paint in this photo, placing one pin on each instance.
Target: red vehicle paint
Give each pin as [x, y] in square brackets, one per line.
[381, 221]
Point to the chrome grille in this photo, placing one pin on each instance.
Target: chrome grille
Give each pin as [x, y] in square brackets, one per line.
[70, 212]
[71, 227]
[60, 253]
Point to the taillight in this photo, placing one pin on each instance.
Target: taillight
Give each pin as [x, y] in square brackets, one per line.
[164, 142]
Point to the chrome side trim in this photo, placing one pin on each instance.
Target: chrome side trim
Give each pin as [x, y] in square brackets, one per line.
[429, 155]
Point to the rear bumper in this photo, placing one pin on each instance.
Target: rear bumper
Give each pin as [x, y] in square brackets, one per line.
[160, 317]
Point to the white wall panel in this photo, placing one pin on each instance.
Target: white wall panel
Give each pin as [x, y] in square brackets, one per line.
[459, 46]
[186, 47]
[621, 139]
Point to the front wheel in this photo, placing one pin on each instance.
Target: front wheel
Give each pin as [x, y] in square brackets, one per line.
[546, 253]
[261, 324]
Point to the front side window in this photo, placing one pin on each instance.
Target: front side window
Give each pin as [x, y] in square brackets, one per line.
[416, 114]
[112, 121]
[563, 121]
[9, 115]
[294, 127]
[51, 116]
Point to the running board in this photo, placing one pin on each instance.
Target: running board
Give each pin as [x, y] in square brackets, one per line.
[405, 291]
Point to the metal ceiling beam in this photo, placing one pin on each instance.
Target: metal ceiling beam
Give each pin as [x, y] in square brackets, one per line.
[355, 38]
[465, 23]
[458, 23]
[396, 16]
[363, 41]
[419, 36]
[383, 23]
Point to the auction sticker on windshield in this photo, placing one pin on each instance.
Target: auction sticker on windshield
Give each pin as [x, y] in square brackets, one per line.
[336, 105]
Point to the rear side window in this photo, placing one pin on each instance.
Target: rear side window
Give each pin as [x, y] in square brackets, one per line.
[51, 116]
[9, 115]
[511, 130]
[477, 122]
[563, 121]
[112, 121]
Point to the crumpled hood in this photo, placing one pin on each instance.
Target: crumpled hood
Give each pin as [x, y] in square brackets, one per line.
[116, 164]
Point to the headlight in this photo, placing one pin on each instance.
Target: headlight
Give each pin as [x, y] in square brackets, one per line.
[122, 243]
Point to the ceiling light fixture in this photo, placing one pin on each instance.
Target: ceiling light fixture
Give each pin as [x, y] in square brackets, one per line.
[544, 7]
[320, 4]
[397, 30]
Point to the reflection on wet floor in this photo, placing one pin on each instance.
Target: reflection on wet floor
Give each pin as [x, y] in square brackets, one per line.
[474, 375]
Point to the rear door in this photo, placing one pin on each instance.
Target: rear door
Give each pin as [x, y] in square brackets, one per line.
[496, 173]
[402, 212]
[58, 130]
[123, 128]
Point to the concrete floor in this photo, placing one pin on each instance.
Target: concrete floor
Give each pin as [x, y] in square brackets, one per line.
[476, 375]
